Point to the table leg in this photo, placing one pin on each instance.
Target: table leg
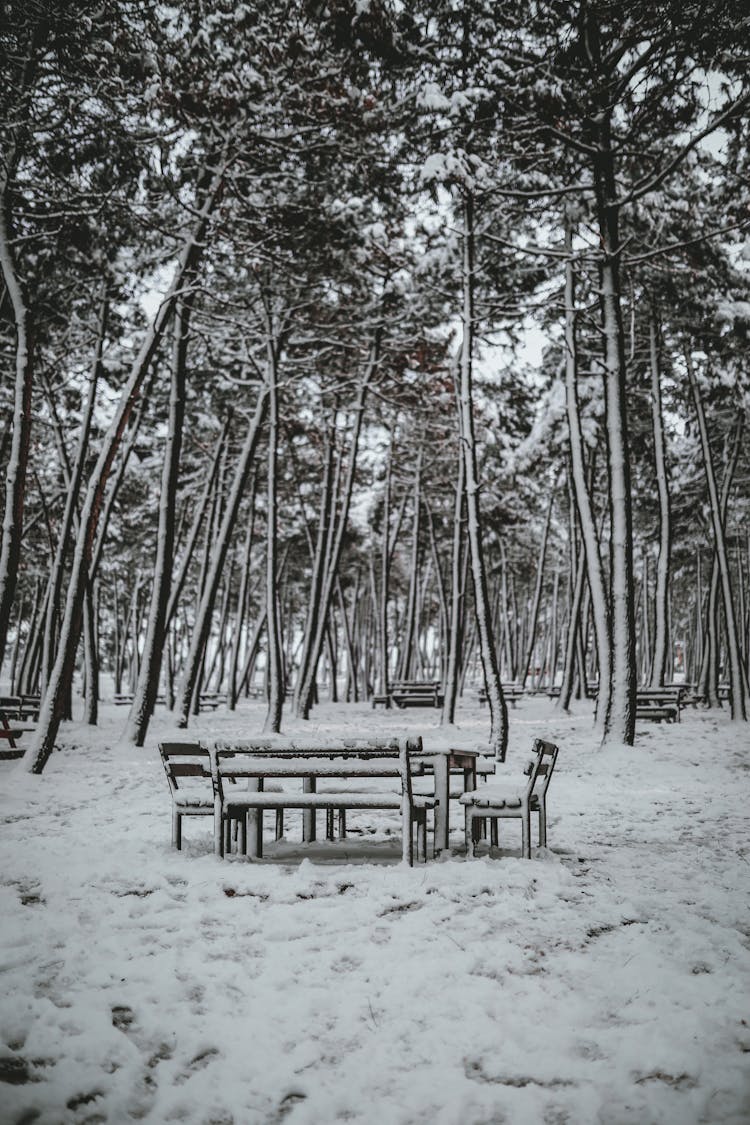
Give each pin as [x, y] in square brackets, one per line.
[309, 785]
[254, 822]
[442, 775]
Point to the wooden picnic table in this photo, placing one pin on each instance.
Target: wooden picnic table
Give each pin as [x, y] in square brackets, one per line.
[263, 759]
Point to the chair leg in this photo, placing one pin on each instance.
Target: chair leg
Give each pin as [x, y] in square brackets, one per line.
[218, 833]
[526, 834]
[542, 826]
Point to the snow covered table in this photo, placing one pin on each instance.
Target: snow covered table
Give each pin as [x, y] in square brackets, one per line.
[342, 759]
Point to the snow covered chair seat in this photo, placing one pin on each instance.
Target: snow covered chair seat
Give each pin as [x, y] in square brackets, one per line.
[497, 801]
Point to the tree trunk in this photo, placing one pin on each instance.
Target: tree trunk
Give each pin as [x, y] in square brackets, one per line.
[498, 739]
[537, 591]
[619, 720]
[582, 492]
[274, 669]
[15, 471]
[661, 593]
[736, 673]
[156, 631]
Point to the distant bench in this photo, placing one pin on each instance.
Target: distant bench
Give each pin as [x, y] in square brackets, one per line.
[512, 693]
[209, 701]
[346, 760]
[411, 693]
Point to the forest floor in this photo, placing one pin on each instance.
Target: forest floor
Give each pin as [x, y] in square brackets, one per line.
[605, 981]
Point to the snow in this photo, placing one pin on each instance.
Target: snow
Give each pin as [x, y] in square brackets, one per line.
[604, 981]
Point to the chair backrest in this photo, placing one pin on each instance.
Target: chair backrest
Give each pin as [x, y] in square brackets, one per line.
[184, 759]
[539, 770]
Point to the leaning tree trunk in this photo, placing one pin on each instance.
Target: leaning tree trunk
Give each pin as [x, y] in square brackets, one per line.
[661, 594]
[156, 630]
[498, 708]
[736, 674]
[43, 742]
[71, 501]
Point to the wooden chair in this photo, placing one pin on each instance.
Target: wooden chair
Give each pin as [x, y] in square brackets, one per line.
[184, 760]
[493, 802]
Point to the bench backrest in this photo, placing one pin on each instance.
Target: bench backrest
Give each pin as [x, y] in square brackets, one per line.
[182, 760]
[540, 768]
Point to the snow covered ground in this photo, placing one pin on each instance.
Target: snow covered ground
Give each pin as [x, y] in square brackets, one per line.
[605, 981]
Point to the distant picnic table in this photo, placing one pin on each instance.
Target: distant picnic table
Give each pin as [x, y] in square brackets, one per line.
[411, 693]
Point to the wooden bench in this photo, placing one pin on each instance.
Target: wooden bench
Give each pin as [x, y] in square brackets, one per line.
[666, 703]
[496, 801]
[21, 707]
[511, 692]
[416, 693]
[341, 760]
[11, 732]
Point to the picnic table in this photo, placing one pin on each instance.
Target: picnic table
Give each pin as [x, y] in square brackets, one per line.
[411, 693]
[262, 759]
[511, 691]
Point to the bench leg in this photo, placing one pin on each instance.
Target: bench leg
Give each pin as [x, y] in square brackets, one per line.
[493, 830]
[329, 824]
[342, 824]
[243, 834]
[176, 829]
[309, 785]
[279, 823]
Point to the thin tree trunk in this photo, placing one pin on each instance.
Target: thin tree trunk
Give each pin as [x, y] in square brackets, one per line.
[736, 674]
[582, 492]
[537, 590]
[275, 686]
[498, 739]
[147, 689]
[661, 592]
